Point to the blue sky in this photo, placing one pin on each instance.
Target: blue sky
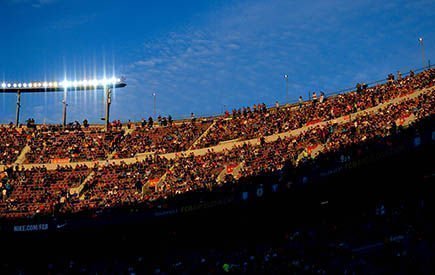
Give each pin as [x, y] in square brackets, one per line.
[203, 56]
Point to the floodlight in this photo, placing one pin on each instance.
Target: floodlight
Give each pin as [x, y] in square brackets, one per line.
[54, 86]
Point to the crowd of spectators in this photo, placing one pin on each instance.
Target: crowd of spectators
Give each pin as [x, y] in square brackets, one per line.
[167, 137]
[48, 145]
[379, 125]
[124, 184]
[337, 139]
[39, 191]
[247, 123]
[12, 142]
[198, 172]
[193, 173]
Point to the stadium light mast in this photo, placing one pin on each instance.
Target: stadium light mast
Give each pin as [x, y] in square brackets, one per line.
[286, 87]
[17, 117]
[108, 102]
[40, 87]
[154, 95]
[420, 41]
[64, 110]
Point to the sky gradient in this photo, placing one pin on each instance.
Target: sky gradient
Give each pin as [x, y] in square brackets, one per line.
[203, 56]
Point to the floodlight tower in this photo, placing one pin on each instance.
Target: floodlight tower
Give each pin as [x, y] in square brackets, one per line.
[286, 87]
[108, 102]
[154, 96]
[420, 41]
[38, 87]
[17, 117]
[64, 111]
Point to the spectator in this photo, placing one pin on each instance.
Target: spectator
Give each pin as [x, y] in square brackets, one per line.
[150, 122]
[85, 124]
[358, 88]
[399, 76]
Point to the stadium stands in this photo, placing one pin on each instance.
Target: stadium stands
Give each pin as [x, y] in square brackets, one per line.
[12, 141]
[39, 190]
[116, 185]
[259, 121]
[333, 128]
[163, 139]
[56, 146]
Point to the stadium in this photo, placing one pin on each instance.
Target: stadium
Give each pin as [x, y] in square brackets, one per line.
[338, 182]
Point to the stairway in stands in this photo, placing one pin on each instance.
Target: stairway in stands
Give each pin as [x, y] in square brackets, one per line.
[126, 132]
[203, 135]
[78, 190]
[22, 157]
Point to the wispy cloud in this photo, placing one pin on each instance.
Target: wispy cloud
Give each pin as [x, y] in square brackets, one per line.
[40, 3]
[34, 3]
[72, 22]
[235, 59]
[239, 56]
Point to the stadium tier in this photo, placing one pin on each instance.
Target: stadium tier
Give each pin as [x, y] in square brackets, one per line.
[166, 139]
[71, 146]
[143, 163]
